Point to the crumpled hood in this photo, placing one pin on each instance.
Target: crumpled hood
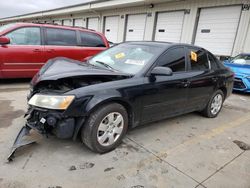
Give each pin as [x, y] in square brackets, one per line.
[239, 69]
[59, 68]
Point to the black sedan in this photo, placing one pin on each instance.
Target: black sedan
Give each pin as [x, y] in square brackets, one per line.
[125, 86]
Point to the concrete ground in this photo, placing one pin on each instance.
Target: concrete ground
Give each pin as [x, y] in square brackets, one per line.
[186, 151]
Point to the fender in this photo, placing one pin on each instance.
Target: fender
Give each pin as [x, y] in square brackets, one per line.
[112, 96]
[97, 101]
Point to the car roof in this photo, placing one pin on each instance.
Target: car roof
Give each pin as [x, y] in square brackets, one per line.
[150, 43]
[23, 24]
[165, 45]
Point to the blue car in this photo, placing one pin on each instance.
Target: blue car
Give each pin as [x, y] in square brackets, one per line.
[240, 65]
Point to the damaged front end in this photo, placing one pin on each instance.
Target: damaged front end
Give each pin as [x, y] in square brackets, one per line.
[52, 114]
[20, 141]
[46, 122]
[51, 110]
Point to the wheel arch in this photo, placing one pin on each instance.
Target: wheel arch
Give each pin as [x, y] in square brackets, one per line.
[94, 105]
[224, 90]
[118, 100]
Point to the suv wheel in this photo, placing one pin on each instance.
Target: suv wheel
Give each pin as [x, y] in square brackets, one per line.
[105, 128]
[214, 105]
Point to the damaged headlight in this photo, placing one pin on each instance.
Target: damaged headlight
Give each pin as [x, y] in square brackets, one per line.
[51, 101]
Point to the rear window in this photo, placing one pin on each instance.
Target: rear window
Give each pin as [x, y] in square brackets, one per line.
[213, 62]
[91, 40]
[198, 59]
[61, 37]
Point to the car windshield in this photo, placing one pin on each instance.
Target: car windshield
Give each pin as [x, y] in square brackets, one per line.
[242, 59]
[4, 27]
[127, 58]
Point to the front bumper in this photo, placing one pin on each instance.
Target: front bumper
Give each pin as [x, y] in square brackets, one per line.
[47, 122]
[51, 122]
[20, 141]
[242, 84]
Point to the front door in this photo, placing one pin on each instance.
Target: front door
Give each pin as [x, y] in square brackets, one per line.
[166, 96]
[24, 56]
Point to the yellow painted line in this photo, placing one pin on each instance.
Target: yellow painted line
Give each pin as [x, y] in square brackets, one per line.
[208, 135]
[147, 163]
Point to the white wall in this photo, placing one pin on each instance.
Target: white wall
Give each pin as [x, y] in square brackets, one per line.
[246, 47]
[242, 40]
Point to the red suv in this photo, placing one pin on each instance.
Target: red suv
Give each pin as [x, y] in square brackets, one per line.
[25, 47]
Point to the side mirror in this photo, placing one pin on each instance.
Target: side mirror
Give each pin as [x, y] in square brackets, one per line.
[4, 40]
[162, 71]
[240, 61]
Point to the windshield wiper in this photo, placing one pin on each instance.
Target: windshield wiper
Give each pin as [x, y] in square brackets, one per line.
[105, 65]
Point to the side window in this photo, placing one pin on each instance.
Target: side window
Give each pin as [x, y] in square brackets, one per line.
[25, 36]
[91, 40]
[174, 59]
[61, 37]
[213, 62]
[198, 59]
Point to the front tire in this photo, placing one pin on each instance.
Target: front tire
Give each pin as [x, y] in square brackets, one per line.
[105, 128]
[214, 105]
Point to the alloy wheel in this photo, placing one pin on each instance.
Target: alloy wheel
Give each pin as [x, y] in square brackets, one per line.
[216, 104]
[110, 129]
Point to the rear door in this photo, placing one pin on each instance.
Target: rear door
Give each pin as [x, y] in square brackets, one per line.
[24, 56]
[62, 43]
[202, 79]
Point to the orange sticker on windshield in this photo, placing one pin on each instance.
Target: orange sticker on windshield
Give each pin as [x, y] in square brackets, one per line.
[193, 56]
[120, 55]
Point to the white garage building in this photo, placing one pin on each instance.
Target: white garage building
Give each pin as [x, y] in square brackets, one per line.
[222, 26]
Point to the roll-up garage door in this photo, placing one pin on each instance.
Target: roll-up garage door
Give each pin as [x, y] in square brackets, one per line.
[78, 22]
[111, 28]
[67, 22]
[58, 22]
[217, 29]
[93, 23]
[135, 27]
[169, 26]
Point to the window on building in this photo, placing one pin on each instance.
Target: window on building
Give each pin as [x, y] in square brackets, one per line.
[61, 37]
[25, 36]
[174, 59]
[198, 59]
[91, 40]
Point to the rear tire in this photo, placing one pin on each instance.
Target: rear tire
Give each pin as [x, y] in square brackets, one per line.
[214, 105]
[105, 128]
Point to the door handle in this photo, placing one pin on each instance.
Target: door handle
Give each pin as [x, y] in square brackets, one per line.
[185, 83]
[50, 50]
[215, 79]
[36, 50]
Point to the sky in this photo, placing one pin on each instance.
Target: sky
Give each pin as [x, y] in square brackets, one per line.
[16, 7]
